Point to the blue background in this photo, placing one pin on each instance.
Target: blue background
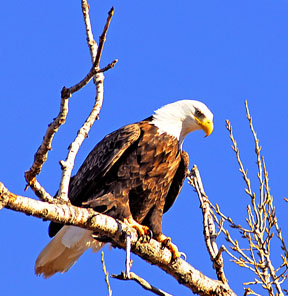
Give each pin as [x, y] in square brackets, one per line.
[219, 52]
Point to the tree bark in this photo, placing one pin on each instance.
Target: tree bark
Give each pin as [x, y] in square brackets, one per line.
[104, 225]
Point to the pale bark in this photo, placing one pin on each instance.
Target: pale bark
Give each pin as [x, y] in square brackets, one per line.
[104, 225]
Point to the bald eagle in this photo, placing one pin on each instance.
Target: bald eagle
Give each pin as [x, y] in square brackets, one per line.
[134, 174]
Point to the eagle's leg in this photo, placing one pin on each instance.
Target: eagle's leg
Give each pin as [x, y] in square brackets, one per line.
[142, 230]
[166, 242]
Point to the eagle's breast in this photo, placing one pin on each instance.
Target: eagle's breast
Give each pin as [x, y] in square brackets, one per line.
[152, 167]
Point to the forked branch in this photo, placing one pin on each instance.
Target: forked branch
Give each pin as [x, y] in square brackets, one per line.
[262, 225]
[66, 93]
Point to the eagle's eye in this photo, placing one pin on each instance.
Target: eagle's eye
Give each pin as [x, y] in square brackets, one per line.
[198, 113]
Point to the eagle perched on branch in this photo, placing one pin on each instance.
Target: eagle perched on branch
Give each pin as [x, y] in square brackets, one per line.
[134, 174]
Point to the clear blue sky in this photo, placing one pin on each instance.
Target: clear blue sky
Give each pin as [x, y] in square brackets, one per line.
[219, 52]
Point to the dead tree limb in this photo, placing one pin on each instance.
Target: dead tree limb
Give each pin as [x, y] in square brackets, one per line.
[106, 274]
[152, 252]
[66, 93]
[209, 231]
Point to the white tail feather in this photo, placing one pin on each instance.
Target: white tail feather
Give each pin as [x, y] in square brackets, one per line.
[64, 250]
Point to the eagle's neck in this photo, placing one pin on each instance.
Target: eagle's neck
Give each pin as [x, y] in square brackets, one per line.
[176, 120]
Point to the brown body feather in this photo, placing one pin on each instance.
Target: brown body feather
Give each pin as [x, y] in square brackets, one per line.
[134, 171]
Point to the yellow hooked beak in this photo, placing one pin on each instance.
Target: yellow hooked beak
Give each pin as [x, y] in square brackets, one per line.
[206, 125]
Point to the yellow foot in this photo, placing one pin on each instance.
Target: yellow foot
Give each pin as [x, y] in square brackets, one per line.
[144, 233]
[166, 242]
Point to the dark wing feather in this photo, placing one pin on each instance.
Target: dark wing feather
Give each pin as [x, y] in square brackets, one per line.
[177, 182]
[97, 164]
[102, 158]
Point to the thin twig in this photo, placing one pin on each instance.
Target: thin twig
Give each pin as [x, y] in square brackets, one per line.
[95, 67]
[108, 67]
[102, 39]
[248, 291]
[106, 274]
[89, 34]
[140, 281]
[40, 192]
[248, 190]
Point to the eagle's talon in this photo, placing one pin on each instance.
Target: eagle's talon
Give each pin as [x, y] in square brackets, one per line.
[177, 256]
[183, 255]
[149, 235]
[174, 260]
[165, 243]
[146, 238]
[142, 238]
[144, 233]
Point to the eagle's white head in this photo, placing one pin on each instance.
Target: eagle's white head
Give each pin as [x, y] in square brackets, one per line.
[183, 117]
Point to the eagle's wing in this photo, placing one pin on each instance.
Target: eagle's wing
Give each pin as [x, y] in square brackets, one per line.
[97, 164]
[100, 160]
[178, 181]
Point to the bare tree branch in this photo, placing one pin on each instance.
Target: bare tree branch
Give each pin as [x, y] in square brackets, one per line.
[141, 282]
[102, 39]
[89, 34]
[261, 220]
[152, 252]
[210, 233]
[95, 52]
[262, 225]
[66, 93]
[128, 261]
[68, 164]
[106, 274]
[42, 153]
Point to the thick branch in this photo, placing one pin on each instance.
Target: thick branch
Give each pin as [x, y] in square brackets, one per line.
[182, 271]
